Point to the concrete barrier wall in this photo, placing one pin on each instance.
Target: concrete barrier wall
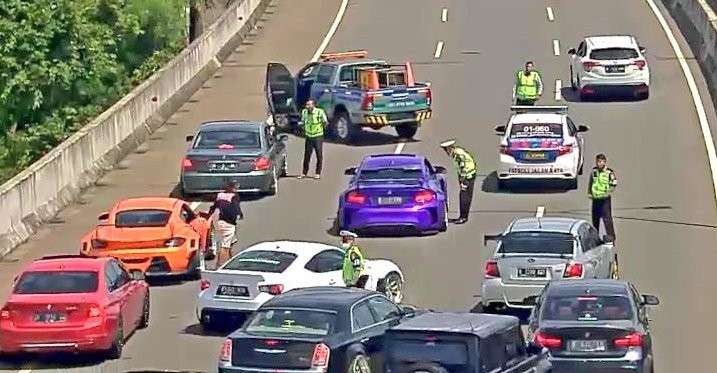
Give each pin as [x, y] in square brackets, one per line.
[698, 23]
[36, 194]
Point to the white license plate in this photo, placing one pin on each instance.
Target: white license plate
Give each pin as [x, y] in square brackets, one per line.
[592, 345]
[535, 170]
[390, 200]
[532, 272]
[614, 69]
[233, 291]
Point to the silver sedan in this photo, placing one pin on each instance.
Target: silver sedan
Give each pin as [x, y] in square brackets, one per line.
[534, 251]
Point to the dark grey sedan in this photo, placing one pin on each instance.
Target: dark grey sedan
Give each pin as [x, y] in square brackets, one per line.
[594, 326]
[247, 153]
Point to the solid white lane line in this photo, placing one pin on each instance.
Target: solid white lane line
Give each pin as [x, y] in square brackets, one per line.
[399, 148]
[556, 47]
[444, 15]
[540, 212]
[332, 31]
[696, 98]
[558, 90]
[439, 50]
[551, 16]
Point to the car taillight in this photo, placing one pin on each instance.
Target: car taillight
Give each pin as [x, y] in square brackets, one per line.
[356, 197]
[573, 270]
[428, 94]
[174, 242]
[587, 66]
[321, 356]
[630, 340]
[262, 164]
[274, 289]
[491, 269]
[225, 354]
[640, 64]
[367, 103]
[4, 314]
[565, 149]
[424, 196]
[99, 244]
[505, 149]
[94, 311]
[548, 341]
[204, 284]
[187, 164]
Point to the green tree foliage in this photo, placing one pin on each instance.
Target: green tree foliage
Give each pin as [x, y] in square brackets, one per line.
[64, 61]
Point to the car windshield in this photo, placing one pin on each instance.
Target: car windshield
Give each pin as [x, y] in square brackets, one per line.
[537, 243]
[528, 130]
[261, 261]
[411, 173]
[613, 54]
[236, 139]
[587, 308]
[56, 282]
[142, 218]
[291, 322]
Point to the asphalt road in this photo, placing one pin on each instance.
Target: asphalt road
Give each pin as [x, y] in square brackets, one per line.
[664, 207]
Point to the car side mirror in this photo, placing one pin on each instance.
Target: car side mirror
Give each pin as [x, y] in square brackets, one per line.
[407, 310]
[643, 49]
[103, 216]
[137, 275]
[583, 128]
[350, 171]
[571, 51]
[650, 300]
[439, 169]
[499, 130]
[284, 138]
[189, 138]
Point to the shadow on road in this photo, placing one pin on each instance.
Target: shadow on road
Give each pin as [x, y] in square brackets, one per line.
[490, 185]
[199, 330]
[613, 95]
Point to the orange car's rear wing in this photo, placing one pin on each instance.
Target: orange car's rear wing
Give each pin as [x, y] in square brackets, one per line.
[337, 56]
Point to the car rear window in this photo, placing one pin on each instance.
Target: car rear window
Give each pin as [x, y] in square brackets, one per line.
[280, 321]
[261, 261]
[391, 174]
[142, 218]
[537, 243]
[613, 54]
[56, 282]
[431, 349]
[587, 308]
[236, 139]
[527, 130]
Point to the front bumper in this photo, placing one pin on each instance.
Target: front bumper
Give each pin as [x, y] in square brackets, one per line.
[93, 336]
[420, 219]
[249, 182]
[495, 292]
[171, 261]
[379, 120]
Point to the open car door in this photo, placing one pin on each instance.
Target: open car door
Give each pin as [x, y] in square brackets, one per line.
[280, 92]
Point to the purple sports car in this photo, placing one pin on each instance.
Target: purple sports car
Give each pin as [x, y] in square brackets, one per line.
[394, 193]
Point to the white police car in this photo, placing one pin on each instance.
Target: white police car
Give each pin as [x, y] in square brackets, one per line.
[540, 142]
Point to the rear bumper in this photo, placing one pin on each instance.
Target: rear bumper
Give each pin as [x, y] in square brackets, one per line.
[251, 182]
[495, 292]
[153, 262]
[378, 120]
[90, 337]
[597, 366]
[564, 168]
[207, 304]
[236, 369]
[377, 219]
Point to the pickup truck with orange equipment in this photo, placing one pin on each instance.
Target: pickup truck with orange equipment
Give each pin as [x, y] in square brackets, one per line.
[354, 91]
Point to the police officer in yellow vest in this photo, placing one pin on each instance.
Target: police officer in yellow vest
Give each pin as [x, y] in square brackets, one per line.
[528, 85]
[353, 265]
[467, 169]
[313, 122]
[602, 183]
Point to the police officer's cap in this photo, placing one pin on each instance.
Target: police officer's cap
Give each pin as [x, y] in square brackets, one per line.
[448, 143]
[347, 234]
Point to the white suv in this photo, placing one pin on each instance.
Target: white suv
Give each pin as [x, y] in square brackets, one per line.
[602, 62]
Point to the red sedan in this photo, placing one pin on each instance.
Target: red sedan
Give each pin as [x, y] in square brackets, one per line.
[74, 304]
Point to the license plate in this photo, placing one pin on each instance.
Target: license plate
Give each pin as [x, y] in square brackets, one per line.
[401, 103]
[390, 200]
[614, 69]
[233, 291]
[50, 317]
[532, 272]
[535, 170]
[587, 345]
[223, 166]
[535, 155]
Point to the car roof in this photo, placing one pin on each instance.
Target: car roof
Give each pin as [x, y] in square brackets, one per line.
[545, 224]
[379, 161]
[520, 118]
[299, 248]
[590, 286]
[230, 125]
[162, 203]
[479, 324]
[331, 298]
[611, 41]
[67, 263]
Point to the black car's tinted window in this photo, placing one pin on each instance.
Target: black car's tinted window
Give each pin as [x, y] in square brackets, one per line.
[228, 140]
[291, 322]
[42, 282]
[326, 73]
[383, 308]
[361, 316]
[537, 243]
[261, 261]
[391, 173]
[587, 308]
[613, 54]
[428, 349]
[326, 261]
[142, 218]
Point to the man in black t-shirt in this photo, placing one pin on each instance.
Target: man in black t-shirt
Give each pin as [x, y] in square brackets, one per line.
[229, 207]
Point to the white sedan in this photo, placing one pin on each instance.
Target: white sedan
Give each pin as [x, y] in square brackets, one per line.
[267, 269]
[540, 142]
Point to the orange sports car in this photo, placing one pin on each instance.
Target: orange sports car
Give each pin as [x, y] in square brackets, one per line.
[156, 235]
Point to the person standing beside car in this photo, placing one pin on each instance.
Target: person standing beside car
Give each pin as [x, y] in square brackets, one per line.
[467, 169]
[313, 123]
[229, 207]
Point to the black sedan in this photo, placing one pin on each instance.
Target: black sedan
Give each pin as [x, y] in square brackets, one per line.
[243, 152]
[594, 326]
[316, 329]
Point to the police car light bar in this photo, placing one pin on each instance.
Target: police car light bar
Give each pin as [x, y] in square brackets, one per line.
[343, 55]
[546, 109]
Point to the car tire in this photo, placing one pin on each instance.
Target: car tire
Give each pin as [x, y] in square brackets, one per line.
[284, 167]
[274, 188]
[503, 185]
[183, 194]
[193, 270]
[407, 131]
[210, 252]
[342, 129]
[573, 184]
[444, 223]
[115, 351]
[426, 368]
[572, 79]
[580, 170]
[615, 269]
[358, 363]
[391, 286]
[144, 321]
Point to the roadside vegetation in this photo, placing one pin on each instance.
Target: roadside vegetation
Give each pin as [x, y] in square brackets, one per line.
[62, 62]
